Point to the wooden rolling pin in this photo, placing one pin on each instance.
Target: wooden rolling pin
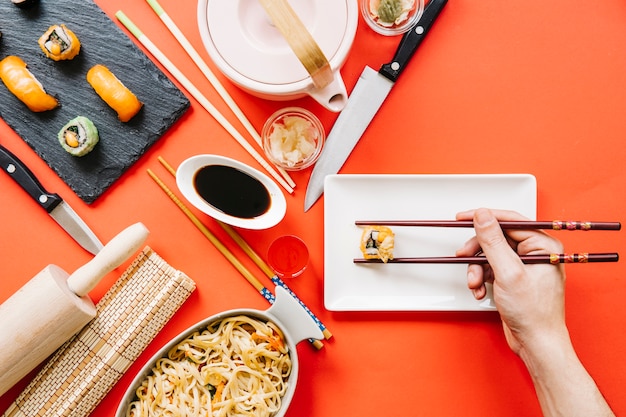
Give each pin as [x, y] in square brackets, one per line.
[53, 306]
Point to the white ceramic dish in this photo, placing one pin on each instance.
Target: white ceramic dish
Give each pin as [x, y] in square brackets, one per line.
[286, 312]
[185, 181]
[248, 49]
[372, 287]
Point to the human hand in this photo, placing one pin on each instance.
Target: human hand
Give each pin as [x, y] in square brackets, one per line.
[529, 298]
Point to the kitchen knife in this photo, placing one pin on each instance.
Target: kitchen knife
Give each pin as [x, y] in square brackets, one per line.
[58, 209]
[364, 101]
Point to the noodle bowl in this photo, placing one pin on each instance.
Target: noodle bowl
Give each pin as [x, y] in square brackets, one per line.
[236, 366]
[238, 363]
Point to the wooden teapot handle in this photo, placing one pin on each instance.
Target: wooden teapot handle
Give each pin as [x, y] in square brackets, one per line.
[300, 40]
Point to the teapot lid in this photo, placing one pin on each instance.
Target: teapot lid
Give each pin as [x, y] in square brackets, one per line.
[244, 43]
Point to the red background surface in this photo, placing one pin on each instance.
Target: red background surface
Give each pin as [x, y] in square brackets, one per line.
[497, 87]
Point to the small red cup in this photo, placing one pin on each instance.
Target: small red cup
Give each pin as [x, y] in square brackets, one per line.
[288, 256]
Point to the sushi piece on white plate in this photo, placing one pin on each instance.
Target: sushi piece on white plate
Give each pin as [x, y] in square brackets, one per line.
[377, 242]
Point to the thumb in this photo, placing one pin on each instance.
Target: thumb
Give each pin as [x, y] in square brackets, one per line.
[493, 242]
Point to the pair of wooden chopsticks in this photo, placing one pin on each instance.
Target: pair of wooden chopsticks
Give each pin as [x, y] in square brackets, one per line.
[507, 225]
[279, 174]
[265, 292]
[552, 258]
[523, 225]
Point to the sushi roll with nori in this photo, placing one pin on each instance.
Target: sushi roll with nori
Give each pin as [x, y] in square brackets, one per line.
[59, 43]
[377, 243]
[23, 84]
[113, 92]
[79, 136]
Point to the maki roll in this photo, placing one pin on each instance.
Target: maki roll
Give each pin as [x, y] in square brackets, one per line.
[23, 84]
[59, 43]
[79, 136]
[113, 92]
[377, 243]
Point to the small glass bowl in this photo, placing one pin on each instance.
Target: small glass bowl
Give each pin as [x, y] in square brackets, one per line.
[297, 160]
[373, 22]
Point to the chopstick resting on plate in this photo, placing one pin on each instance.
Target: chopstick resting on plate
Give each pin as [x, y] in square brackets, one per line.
[520, 225]
[553, 258]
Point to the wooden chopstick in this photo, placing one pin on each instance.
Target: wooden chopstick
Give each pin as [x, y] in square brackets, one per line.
[147, 43]
[267, 294]
[268, 271]
[197, 59]
[300, 40]
[524, 225]
[554, 258]
[214, 240]
[254, 256]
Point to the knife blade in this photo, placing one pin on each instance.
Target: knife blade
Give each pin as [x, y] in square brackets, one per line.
[366, 98]
[58, 209]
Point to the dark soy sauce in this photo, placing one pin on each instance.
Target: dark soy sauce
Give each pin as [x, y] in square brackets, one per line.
[232, 191]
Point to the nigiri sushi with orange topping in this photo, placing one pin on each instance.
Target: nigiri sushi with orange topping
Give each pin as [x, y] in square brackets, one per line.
[113, 92]
[23, 84]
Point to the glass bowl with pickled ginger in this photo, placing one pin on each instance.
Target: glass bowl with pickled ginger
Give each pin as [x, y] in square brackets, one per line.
[293, 138]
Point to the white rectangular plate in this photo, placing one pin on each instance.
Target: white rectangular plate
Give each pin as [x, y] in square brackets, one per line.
[394, 287]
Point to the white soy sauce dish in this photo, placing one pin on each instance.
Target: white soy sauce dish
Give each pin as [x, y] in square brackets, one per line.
[286, 313]
[231, 191]
[248, 49]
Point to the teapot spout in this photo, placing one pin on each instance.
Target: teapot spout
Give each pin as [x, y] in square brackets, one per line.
[334, 96]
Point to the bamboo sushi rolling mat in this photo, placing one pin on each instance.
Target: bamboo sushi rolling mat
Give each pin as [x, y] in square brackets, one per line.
[83, 370]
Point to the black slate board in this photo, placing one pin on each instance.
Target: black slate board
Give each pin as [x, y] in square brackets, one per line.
[102, 42]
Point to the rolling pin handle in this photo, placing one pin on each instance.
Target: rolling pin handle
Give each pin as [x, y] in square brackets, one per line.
[114, 253]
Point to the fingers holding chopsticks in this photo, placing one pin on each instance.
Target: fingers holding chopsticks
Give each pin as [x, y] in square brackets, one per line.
[528, 297]
[492, 242]
[502, 250]
[490, 236]
[523, 241]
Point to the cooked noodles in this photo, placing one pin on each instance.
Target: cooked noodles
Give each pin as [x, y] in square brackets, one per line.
[237, 366]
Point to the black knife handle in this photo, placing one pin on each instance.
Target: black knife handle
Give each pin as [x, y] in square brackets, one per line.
[16, 169]
[411, 40]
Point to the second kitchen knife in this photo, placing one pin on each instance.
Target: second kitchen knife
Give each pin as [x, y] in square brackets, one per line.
[364, 101]
[58, 209]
